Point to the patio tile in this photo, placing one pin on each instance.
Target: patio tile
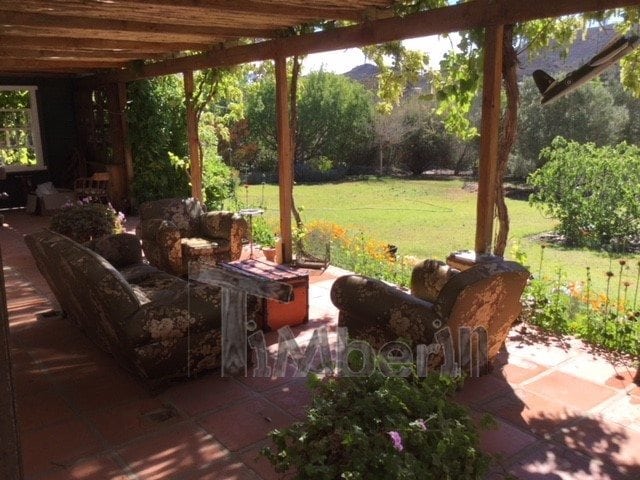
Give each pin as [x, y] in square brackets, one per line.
[208, 393]
[515, 370]
[228, 470]
[99, 468]
[177, 452]
[505, 440]
[259, 463]
[59, 444]
[39, 409]
[572, 391]
[478, 390]
[538, 414]
[555, 462]
[130, 421]
[106, 391]
[605, 441]
[293, 397]
[29, 381]
[598, 370]
[243, 424]
[624, 410]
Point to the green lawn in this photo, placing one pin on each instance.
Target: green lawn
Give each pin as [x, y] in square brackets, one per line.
[430, 219]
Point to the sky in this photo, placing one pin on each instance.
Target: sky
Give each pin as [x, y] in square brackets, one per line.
[341, 61]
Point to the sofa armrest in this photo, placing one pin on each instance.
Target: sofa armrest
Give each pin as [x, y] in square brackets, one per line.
[227, 225]
[370, 308]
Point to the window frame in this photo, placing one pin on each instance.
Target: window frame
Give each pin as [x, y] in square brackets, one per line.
[34, 130]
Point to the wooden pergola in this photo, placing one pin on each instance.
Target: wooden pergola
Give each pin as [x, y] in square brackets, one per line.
[106, 43]
[102, 44]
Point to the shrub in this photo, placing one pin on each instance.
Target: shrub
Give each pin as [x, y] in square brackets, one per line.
[380, 427]
[594, 192]
[86, 221]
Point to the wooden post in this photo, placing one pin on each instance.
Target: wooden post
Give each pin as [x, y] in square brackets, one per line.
[10, 457]
[192, 134]
[126, 146]
[489, 135]
[285, 158]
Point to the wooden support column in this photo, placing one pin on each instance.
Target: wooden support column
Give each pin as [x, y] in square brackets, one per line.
[10, 458]
[285, 158]
[489, 135]
[127, 154]
[195, 170]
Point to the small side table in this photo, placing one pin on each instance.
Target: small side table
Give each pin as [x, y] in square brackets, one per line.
[277, 314]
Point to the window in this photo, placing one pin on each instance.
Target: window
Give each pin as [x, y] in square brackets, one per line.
[20, 147]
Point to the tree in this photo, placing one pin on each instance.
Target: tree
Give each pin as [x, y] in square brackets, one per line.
[334, 117]
[461, 75]
[593, 191]
[589, 114]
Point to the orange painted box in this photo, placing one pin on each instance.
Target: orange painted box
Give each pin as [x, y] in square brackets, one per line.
[278, 314]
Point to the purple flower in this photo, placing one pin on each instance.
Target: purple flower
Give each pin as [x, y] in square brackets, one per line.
[397, 440]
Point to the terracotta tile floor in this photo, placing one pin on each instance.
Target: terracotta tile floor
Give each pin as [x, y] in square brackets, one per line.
[562, 411]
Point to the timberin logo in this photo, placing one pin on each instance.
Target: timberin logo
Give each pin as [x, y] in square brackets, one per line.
[391, 359]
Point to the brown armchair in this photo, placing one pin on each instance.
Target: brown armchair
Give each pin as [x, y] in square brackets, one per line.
[485, 295]
[175, 231]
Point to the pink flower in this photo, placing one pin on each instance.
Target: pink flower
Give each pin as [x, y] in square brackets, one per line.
[397, 440]
[421, 424]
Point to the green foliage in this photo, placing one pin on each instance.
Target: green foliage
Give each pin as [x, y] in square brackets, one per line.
[262, 233]
[157, 129]
[350, 428]
[334, 117]
[589, 114]
[610, 319]
[593, 192]
[86, 221]
[15, 144]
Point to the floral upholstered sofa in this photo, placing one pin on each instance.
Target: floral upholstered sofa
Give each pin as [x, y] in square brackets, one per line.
[485, 295]
[175, 231]
[155, 324]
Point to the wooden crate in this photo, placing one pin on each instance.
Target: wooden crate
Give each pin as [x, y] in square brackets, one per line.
[277, 314]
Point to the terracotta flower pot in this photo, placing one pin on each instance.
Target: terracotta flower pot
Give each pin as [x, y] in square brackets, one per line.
[269, 253]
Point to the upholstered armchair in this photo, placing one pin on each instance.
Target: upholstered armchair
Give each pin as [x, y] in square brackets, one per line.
[175, 231]
[485, 295]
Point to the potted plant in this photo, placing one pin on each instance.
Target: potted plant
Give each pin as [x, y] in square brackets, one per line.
[264, 236]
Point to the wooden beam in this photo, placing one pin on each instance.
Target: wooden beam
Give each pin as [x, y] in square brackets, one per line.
[303, 9]
[465, 16]
[10, 64]
[285, 158]
[70, 22]
[195, 170]
[489, 136]
[97, 44]
[127, 152]
[86, 55]
[10, 457]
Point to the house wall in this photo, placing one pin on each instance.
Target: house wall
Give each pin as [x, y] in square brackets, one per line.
[59, 138]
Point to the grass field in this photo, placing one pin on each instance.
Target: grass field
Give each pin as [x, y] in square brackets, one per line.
[430, 219]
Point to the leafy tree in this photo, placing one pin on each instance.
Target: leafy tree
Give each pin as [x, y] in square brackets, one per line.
[158, 112]
[587, 115]
[334, 117]
[460, 80]
[157, 122]
[593, 191]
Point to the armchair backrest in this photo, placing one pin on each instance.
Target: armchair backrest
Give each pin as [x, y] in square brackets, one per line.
[183, 212]
[487, 295]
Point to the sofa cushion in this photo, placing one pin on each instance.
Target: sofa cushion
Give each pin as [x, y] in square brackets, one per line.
[119, 249]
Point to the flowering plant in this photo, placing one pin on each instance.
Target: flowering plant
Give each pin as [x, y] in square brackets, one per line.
[381, 427]
[83, 221]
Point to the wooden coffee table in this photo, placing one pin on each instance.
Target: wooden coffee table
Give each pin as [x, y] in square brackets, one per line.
[277, 314]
